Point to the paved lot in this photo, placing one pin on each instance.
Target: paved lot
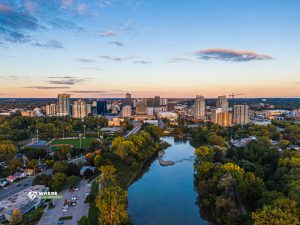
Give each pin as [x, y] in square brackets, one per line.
[50, 216]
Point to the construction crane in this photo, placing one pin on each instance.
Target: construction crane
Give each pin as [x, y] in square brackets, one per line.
[233, 95]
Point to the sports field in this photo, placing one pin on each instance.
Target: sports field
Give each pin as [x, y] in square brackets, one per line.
[74, 142]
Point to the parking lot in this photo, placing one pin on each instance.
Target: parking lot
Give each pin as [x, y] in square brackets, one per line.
[51, 216]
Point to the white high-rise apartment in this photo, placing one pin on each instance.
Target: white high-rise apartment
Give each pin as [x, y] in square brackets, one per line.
[200, 107]
[126, 111]
[51, 110]
[241, 114]
[79, 109]
[222, 103]
[63, 105]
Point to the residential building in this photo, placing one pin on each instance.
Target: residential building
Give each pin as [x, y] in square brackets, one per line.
[221, 117]
[51, 110]
[241, 114]
[126, 111]
[200, 107]
[79, 109]
[63, 105]
[163, 101]
[156, 101]
[222, 102]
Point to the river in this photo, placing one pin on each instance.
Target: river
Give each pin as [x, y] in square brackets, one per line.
[165, 195]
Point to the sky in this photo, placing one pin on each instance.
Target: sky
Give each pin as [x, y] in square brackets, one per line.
[171, 48]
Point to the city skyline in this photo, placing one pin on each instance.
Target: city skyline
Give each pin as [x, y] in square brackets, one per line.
[171, 49]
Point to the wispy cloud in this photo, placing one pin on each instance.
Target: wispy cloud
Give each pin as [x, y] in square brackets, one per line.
[15, 26]
[108, 33]
[11, 77]
[48, 87]
[117, 59]
[142, 62]
[92, 68]
[179, 59]
[117, 43]
[66, 80]
[59, 23]
[85, 60]
[230, 55]
[50, 44]
[127, 26]
[82, 8]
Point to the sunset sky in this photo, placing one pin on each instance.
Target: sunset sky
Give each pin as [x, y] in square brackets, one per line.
[171, 48]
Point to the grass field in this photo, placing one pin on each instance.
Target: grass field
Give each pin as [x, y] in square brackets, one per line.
[74, 142]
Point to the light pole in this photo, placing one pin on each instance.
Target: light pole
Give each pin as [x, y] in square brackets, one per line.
[37, 135]
[80, 135]
[84, 126]
[99, 132]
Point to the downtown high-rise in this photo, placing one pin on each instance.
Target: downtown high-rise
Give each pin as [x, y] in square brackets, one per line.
[63, 105]
[200, 107]
[241, 114]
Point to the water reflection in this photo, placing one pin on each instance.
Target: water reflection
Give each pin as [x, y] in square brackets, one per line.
[166, 195]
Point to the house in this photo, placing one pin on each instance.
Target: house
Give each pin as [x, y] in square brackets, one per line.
[28, 172]
[11, 178]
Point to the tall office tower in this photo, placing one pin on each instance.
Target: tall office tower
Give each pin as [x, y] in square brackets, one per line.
[156, 101]
[200, 107]
[224, 119]
[141, 107]
[63, 105]
[171, 107]
[135, 102]
[126, 111]
[127, 100]
[89, 109]
[79, 109]
[163, 101]
[101, 107]
[222, 102]
[51, 110]
[241, 114]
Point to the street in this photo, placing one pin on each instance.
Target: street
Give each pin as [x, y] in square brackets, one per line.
[14, 188]
[51, 216]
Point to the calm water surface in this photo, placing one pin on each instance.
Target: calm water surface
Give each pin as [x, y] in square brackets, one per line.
[166, 195]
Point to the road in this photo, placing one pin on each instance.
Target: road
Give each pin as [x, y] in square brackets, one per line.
[19, 186]
[51, 216]
[136, 129]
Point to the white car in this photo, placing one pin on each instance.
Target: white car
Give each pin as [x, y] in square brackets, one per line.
[65, 210]
[76, 189]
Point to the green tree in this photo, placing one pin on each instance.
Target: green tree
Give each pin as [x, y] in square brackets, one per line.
[73, 181]
[83, 221]
[111, 203]
[60, 167]
[16, 217]
[108, 175]
[58, 181]
[205, 153]
[8, 151]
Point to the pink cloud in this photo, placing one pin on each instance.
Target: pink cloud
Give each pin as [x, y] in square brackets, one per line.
[67, 2]
[4, 8]
[81, 8]
[230, 55]
[30, 7]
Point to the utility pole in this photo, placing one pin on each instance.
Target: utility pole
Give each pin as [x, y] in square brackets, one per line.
[80, 135]
[84, 126]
